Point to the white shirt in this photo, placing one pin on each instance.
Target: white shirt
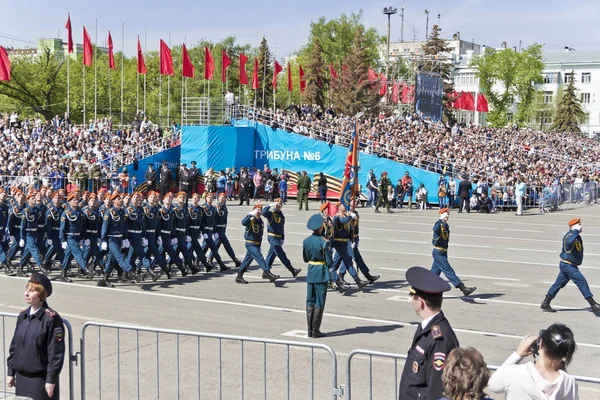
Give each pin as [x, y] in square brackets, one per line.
[428, 320]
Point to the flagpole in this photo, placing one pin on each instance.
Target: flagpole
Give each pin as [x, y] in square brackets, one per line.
[84, 120]
[109, 93]
[160, 100]
[169, 90]
[96, 76]
[182, 83]
[145, 47]
[264, 81]
[122, 66]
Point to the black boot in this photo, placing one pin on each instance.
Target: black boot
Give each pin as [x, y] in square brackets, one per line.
[389, 211]
[377, 210]
[359, 283]
[294, 271]
[546, 304]
[182, 269]
[595, 306]
[466, 290]
[7, 268]
[240, 278]
[45, 267]
[167, 271]
[105, 282]
[310, 311]
[370, 278]
[193, 268]
[316, 323]
[222, 266]
[237, 262]
[270, 276]
[63, 277]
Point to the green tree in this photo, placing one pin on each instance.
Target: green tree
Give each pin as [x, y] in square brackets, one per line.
[568, 110]
[264, 96]
[316, 79]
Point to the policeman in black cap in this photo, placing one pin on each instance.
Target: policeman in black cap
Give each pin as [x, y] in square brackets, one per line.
[37, 350]
[433, 340]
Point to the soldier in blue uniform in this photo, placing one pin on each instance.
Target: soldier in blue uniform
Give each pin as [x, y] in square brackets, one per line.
[37, 349]
[137, 236]
[354, 240]
[166, 226]
[13, 226]
[151, 218]
[113, 235]
[441, 237]
[72, 223]
[571, 257]
[316, 251]
[433, 340]
[276, 236]
[181, 215]
[91, 233]
[253, 235]
[3, 223]
[195, 231]
[209, 222]
[40, 203]
[29, 233]
[221, 230]
[341, 237]
[54, 210]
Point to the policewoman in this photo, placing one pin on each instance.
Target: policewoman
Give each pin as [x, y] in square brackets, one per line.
[37, 350]
[433, 340]
[316, 251]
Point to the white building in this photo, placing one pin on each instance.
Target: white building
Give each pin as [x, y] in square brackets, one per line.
[585, 66]
[456, 46]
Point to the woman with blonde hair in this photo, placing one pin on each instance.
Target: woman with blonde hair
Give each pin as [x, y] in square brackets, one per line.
[465, 375]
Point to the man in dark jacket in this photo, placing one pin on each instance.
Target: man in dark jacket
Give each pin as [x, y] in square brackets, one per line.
[150, 178]
[464, 194]
[193, 174]
[165, 179]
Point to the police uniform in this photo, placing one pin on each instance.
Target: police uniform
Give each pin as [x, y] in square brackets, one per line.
[221, 230]
[209, 223]
[253, 233]
[195, 231]
[72, 224]
[440, 240]
[113, 234]
[29, 236]
[571, 257]
[168, 240]
[150, 214]
[341, 237]
[37, 349]
[276, 236]
[431, 344]
[316, 251]
[53, 214]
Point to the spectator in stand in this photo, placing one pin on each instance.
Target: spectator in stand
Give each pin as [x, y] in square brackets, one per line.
[465, 375]
[269, 190]
[322, 188]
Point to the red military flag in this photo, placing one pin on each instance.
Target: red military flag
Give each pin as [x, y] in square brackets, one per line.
[140, 59]
[396, 92]
[225, 63]
[482, 103]
[289, 77]
[69, 34]
[383, 88]
[408, 94]
[111, 55]
[243, 74]
[209, 65]
[255, 75]
[332, 72]
[166, 60]
[276, 70]
[88, 50]
[302, 79]
[187, 67]
[4, 65]
[468, 102]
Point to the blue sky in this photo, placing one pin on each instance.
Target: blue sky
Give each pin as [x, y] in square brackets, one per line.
[286, 24]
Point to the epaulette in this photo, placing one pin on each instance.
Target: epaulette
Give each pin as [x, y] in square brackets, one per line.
[436, 332]
[51, 312]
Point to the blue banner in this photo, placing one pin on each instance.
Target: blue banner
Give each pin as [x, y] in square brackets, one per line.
[171, 156]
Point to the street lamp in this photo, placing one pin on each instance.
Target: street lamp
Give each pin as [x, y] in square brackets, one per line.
[389, 11]
[426, 24]
[402, 23]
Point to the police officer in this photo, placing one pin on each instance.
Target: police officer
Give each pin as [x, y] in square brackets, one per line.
[165, 177]
[571, 257]
[221, 230]
[184, 183]
[433, 340]
[384, 183]
[341, 237]
[276, 236]
[29, 233]
[441, 238]
[72, 224]
[37, 349]
[193, 174]
[253, 235]
[316, 251]
[54, 210]
[209, 223]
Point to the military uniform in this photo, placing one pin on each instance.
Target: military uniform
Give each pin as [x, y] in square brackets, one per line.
[13, 225]
[221, 232]
[166, 227]
[276, 236]
[151, 219]
[209, 222]
[195, 231]
[303, 186]
[91, 234]
[72, 224]
[341, 238]
[180, 213]
[433, 341]
[355, 252]
[136, 234]
[384, 183]
[29, 235]
[112, 235]
[3, 239]
[52, 227]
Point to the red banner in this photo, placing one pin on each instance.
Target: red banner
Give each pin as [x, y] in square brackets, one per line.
[209, 65]
[243, 74]
[225, 63]
[111, 55]
[166, 59]
[140, 59]
[69, 34]
[187, 67]
[302, 79]
[88, 50]
[276, 70]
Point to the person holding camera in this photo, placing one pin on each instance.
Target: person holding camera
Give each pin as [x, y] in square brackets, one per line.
[545, 378]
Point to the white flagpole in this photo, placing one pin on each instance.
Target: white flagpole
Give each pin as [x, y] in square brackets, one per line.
[169, 90]
[84, 120]
[68, 83]
[145, 47]
[122, 66]
[96, 76]
[182, 83]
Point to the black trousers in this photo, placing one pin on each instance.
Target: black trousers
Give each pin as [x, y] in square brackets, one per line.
[245, 195]
[164, 188]
[34, 386]
[464, 200]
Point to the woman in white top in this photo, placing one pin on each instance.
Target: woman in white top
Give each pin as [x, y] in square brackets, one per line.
[542, 380]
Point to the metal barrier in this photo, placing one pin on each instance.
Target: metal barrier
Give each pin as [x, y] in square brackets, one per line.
[396, 357]
[70, 356]
[140, 351]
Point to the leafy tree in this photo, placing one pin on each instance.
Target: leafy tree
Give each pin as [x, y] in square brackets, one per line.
[568, 110]
[316, 79]
[264, 96]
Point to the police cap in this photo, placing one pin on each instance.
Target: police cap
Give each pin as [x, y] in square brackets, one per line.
[425, 281]
[315, 222]
[43, 280]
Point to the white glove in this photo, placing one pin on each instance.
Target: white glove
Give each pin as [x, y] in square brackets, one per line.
[353, 215]
[205, 235]
[353, 245]
[48, 242]
[200, 241]
[188, 239]
[175, 241]
[87, 242]
[126, 243]
[63, 245]
[144, 242]
[273, 205]
[98, 242]
[104, 246]
[21, 243]
[253, 212]
[12, 239]
[216, 236]
[159, 241]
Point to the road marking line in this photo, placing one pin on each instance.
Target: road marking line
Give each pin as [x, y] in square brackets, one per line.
[476, 227]
[470, 276]
[426, 243]
[537, 251]
[571, 284]
[298, 333]
[521, 230]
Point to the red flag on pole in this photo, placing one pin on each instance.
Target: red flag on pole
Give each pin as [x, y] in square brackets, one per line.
[209, 65]
[226, 62]
[408, 94]
[243, 74]
[482, 103]
[383, 88]
[276, 70]
[396, 92]
[69, 34]
[468, 102]
[140, 59]
[255, 75]
[111, 55]
[302, 79]
[289, 77]
[372, 75]
[166, 60]
[88, 50]
[4, 65]
[332, 72]
[187, 67]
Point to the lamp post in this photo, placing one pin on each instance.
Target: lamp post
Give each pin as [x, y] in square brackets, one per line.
[426, 24]
[402, 23]
[389, 11]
